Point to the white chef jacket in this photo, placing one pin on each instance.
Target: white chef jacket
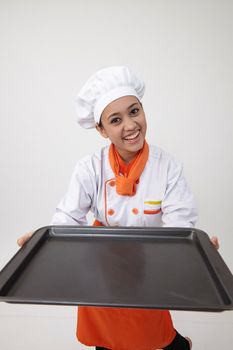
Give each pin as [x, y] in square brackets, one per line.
[162, 197]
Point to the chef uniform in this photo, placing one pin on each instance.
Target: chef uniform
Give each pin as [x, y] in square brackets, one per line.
[151, 191]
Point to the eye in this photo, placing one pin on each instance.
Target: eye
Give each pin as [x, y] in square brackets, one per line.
[115, 120]
[134, 110]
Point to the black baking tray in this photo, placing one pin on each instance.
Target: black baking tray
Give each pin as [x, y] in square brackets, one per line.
[138, 267]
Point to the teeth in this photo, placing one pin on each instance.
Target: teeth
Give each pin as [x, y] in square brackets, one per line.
[132, 136]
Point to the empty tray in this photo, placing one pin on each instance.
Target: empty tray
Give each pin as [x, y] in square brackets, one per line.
[139, 267]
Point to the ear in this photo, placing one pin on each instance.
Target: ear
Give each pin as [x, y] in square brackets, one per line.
[101, 130]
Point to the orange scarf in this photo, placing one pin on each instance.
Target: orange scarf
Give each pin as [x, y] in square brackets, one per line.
[126, 182]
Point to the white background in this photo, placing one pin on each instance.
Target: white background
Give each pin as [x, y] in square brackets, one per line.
[184, 52]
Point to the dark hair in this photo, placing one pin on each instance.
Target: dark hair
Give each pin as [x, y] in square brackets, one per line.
[100, 124]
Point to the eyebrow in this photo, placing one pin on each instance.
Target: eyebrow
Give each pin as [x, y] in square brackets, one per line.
[117, 113]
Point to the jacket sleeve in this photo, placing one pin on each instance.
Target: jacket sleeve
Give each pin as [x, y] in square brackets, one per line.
[76, 203]
[178, 206]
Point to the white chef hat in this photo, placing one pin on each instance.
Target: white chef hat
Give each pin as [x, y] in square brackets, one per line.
[102, 88]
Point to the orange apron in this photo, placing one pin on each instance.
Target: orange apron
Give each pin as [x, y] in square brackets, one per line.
[123, 328]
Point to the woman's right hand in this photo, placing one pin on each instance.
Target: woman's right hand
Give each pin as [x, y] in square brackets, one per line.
[23, 239]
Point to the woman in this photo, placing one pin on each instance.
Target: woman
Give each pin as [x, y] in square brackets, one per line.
[129, 183]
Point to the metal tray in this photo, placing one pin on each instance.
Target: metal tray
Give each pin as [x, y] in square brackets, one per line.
[162, 268]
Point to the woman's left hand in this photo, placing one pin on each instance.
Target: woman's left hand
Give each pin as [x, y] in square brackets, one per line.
[215, 242]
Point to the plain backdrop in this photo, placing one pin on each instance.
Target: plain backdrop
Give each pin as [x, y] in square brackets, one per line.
[184, 52]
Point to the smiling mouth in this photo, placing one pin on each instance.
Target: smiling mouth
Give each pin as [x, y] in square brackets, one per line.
[132, 137]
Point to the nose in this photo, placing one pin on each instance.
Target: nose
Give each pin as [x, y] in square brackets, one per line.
[129, 123]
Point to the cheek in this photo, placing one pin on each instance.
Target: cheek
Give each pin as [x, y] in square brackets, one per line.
[144, 124]
[114, 135]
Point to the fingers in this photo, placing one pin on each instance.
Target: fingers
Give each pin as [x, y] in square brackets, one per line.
[190, 342]
[215, 242]
[23, 239]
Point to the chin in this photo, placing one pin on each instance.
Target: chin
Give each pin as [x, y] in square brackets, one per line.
[136, 148]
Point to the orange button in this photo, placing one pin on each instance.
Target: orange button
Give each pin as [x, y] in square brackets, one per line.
[112, 183]
[135, 211]
[111, 211]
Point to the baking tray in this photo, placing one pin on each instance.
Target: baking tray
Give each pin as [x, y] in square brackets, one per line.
[161, 268]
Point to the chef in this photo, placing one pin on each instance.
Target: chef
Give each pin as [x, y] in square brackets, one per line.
[128, 183]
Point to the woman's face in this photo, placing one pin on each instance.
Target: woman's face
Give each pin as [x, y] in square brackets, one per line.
[124, 123]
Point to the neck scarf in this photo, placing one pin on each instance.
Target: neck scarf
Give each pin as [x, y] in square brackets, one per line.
[126, 182]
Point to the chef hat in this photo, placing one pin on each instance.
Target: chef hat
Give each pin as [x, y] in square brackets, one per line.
[102, 88]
